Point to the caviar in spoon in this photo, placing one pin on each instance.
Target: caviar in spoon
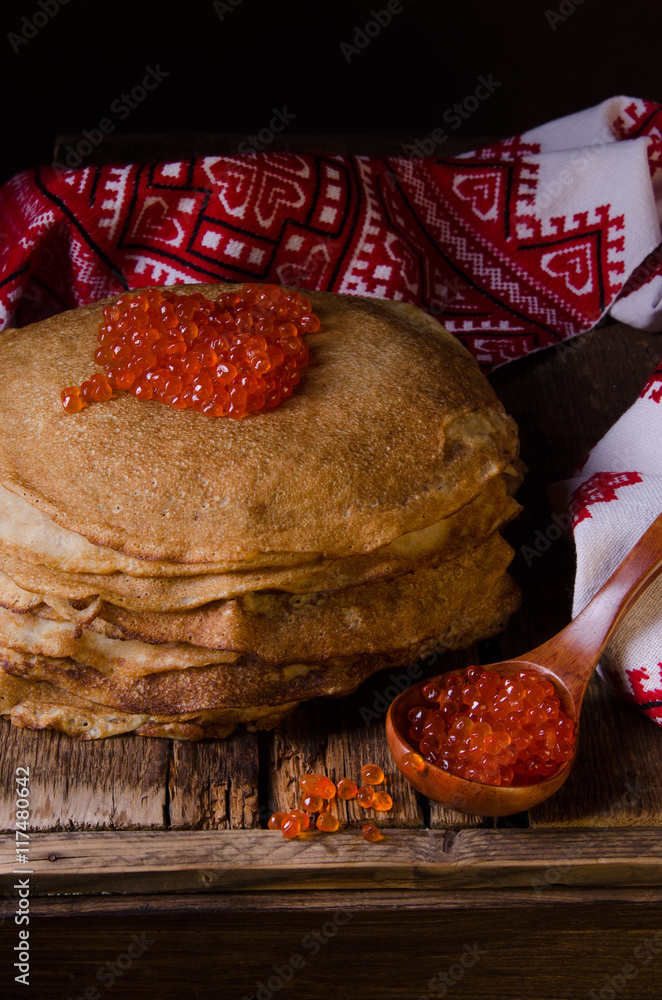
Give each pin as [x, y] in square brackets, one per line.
[498, 730]
[567, 661]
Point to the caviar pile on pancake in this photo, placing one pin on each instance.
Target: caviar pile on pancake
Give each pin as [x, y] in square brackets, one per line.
[232, 356]
[262, 497]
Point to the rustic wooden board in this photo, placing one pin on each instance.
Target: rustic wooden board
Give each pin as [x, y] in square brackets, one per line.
[230, 860]
[535, 952]
[313, 901]
[97, 785]
[213, 785]
[528, 953]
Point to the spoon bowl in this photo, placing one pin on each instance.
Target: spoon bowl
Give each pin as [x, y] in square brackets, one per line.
[459, 793]
[568, 661]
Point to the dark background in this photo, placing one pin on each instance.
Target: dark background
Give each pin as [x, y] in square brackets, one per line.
[226, 75]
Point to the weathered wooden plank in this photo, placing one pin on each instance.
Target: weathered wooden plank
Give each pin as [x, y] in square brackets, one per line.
[118, 783]
[528, 953]
[320, 901]
[213, 784]
[230, 860]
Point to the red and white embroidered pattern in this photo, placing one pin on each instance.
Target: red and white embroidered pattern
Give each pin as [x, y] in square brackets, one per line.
[647, 697]
[467, 239]
[653, 388]
[599, 488]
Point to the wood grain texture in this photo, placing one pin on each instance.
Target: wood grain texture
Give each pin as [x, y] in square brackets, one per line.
[529, 953]
[188, 905]
[213, 784]
[117, 783]
[228, 860]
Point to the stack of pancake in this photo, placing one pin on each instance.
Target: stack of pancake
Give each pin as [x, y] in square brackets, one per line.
[174, 574]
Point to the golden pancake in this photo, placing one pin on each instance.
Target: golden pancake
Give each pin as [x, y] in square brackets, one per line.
[250, 691]
[439, 542]
[382, 616]
[30, 633]
[33, 537]
[392, 428]
[37, 705]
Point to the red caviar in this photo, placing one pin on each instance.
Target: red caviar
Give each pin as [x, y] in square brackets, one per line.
[365, 796]
[413, 762]
[318, 784]
[372, 774]
[312, 803]
[327, 822]
[233, 356]
[302, 817]
[318, 791]
[291, 827]
[347, 788]
[382, 802]
[498, 730]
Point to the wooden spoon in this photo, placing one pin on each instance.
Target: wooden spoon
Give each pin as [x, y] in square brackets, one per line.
[568, 661]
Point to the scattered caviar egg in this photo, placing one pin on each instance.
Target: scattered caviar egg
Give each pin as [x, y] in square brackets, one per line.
[301, 816]
[347, 788]
[365, 796]
[232, 356]
[371, 833]
[372, 774]
[382, 801]
[276, 821]
[318, 785]
[307, 782]
[291, 827]
[497, 730]
[327, 822]
[312, 803]
[327, 789]
[310, 783]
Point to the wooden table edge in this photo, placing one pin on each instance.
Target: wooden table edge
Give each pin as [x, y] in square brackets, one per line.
[146, 862]
[316, 901]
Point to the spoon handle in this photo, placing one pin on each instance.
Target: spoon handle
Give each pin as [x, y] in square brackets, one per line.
[574, 653]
